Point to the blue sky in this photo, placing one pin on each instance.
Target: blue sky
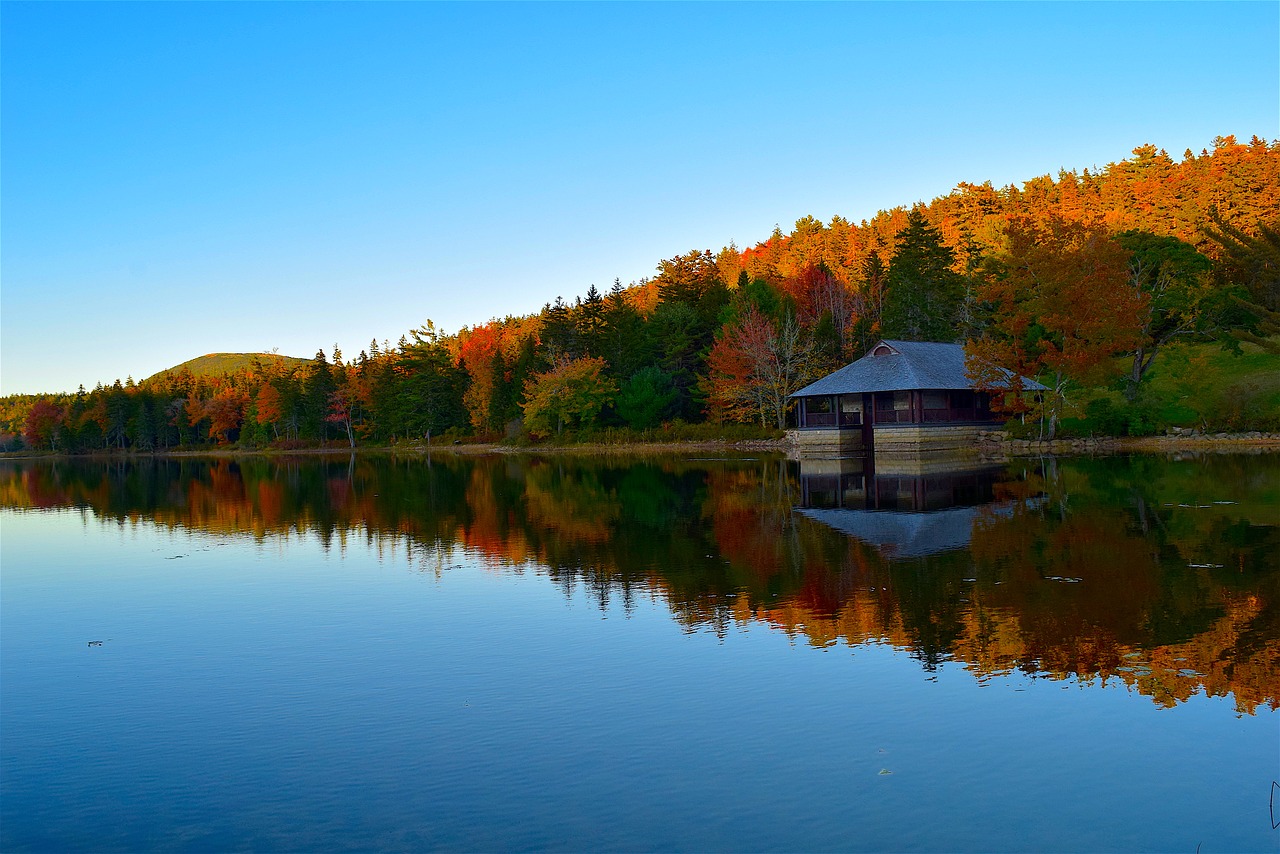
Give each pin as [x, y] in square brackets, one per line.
[179, 179]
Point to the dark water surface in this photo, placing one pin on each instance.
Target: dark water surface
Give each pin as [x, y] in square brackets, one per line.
[508, 653]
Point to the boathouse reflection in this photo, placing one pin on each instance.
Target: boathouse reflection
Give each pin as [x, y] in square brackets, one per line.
[902, 511]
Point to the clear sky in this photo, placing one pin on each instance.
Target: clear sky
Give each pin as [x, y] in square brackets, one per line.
[186, 178]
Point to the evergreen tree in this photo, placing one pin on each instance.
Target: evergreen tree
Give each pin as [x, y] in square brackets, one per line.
[315, 402]
[647, 398]
[589, 323]
[624, 342]
[559, 332]
[923, 293]
[869, 307]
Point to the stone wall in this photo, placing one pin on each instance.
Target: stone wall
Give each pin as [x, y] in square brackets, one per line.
[826, 443]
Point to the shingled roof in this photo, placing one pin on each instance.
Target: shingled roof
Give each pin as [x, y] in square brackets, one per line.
[907, 365]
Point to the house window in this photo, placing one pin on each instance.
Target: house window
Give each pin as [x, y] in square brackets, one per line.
[891, 400]
[935, 400]
[851, 403]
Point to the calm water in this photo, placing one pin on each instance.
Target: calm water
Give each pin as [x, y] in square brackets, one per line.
[698, 655]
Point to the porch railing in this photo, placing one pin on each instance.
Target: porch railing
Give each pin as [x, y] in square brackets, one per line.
[831, 419]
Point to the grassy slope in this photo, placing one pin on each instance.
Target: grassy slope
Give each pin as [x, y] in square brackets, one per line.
[1191, 373]
[1191, 385]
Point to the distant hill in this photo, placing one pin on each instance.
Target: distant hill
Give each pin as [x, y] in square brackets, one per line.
[221, 364]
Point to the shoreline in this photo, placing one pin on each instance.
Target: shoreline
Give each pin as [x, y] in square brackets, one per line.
[991, 446]
[473, 449]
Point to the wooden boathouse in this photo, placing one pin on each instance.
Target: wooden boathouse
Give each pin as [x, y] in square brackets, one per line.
[905, 396]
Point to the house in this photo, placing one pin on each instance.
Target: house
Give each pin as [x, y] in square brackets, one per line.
[902, 396]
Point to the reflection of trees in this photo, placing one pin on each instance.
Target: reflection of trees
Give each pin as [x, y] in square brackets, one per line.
[1086, 568]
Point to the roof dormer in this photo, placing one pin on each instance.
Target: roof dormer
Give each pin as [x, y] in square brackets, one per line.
[883, 349]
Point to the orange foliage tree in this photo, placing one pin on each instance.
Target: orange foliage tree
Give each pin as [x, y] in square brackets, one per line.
[1061, 303]
[225, 411]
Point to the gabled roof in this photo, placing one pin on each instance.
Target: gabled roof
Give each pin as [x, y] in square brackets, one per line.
[903, 365]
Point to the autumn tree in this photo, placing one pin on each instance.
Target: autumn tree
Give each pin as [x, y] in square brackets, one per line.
[343, 404]
[225, 412]
[40, 429]
[756, 364]
[267, 407]
[478, 350]
[1060, 304]
[571, 394]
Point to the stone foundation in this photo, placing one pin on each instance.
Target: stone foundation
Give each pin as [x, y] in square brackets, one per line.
[914, 438]
[827, 443]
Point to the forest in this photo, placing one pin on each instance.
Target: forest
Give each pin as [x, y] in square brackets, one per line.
[1092, 282]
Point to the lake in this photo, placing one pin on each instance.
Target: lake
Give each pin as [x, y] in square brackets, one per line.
[565, 653]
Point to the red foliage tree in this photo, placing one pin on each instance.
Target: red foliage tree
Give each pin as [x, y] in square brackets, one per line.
[41, 426]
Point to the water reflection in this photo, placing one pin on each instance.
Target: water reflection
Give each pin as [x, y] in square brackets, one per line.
[1159, 574]
[901, 513]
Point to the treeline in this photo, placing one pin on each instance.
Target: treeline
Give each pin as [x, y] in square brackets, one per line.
[1080, 281]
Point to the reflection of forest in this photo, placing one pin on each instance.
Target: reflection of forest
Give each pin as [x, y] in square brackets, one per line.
[1161, 575]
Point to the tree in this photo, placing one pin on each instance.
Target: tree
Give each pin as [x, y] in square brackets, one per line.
[41, 426]
[677, 335]
[589, 322]
[868, 307]
[1175, 279]
[342, 407]
[315, 401]
[225, 411]
[428, 386]
[624, 342]
[572, 393]
[923, 294]
[646, 398]
[1253, 259]
[756, 364]
[688, 278]
[1060, 304]
[1251, 262]
[817, 291]
[478, 351]
[559, 332]
[267, 407]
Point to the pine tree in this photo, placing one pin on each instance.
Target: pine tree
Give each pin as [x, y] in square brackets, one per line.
[923, 293]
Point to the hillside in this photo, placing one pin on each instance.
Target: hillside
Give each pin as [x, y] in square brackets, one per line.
[222, 364]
